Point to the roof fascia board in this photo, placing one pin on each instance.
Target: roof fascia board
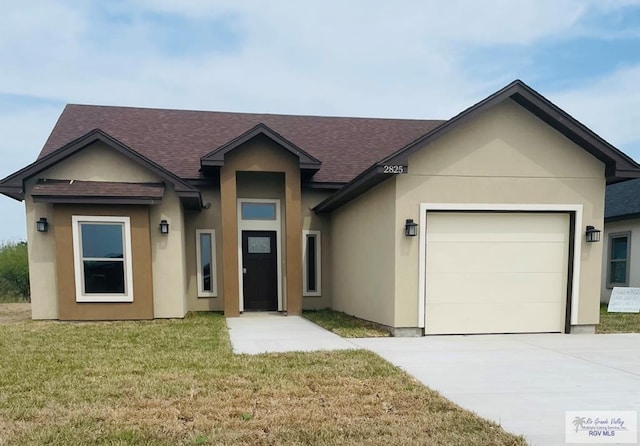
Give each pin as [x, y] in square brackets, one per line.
[616, 162]
[573, 129]
[541, 107]
[14, 192]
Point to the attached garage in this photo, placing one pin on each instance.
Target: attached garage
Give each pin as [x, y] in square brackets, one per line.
[496, 272]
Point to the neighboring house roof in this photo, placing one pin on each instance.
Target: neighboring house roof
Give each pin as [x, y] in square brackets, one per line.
[618, 166]
[73, 191]
[622, 201]
[178, 139]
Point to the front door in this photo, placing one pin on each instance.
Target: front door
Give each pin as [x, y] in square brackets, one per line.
[259, 270]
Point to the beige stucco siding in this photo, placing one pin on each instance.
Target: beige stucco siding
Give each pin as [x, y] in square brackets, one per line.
[631, 227]
[42, 259]
[363, 246]
[503, 156]
[100, 163]
[314, 222]
[168, 258]
[208, 218]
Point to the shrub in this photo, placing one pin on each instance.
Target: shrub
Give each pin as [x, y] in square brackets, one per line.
[14, 270]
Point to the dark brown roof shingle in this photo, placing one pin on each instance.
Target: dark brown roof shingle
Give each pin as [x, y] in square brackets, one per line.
[177, 139]
[69, 188]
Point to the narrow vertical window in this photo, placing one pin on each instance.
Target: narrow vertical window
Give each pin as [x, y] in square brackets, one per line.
[311, 247]
[206, 262]
[618, 270]
[311, 263]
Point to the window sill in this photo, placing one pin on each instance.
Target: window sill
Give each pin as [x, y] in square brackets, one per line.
[100, 298]
[207, 296]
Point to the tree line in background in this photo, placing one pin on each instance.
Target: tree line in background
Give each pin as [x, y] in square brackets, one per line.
[14, 272]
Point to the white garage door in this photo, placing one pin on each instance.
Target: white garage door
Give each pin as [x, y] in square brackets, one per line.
[496, 272]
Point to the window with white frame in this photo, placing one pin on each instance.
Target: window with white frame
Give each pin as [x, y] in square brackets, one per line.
[102, 258]
[311, 258]
[618, 261]
[206, 255]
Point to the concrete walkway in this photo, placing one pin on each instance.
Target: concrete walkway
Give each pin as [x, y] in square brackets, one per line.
[255, 333]
[525, 383]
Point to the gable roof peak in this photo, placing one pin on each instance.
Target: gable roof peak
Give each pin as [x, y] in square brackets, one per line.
[216, 157]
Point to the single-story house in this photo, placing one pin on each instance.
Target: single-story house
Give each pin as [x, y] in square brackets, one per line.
[621, 234]
[477, 224]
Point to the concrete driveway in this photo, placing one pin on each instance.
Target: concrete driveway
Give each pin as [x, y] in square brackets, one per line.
[525, 383]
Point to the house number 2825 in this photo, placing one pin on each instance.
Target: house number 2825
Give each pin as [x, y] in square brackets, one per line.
[393, 169]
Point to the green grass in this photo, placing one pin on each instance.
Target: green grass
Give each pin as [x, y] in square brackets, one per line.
[618, 322]
[178, 383]
[344, 325]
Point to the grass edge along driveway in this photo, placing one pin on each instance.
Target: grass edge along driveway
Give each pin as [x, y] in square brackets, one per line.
[177, 382]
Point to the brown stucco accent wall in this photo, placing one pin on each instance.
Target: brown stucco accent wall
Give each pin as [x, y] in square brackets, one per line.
[142, 305]
[262, 155]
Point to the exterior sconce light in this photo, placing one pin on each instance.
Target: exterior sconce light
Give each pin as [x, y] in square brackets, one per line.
[410, 228]
[593, 234]
[164, 227]
[42, 225]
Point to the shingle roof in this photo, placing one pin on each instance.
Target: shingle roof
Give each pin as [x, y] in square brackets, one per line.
[622, 200]
[177, 139]
[71, 188]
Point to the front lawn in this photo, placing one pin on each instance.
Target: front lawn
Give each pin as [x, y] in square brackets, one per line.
[345, 325]
[618, 322]
[178, 383]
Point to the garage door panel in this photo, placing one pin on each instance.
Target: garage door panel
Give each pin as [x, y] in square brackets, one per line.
[517, 227]
[496, 257]
[496, 272]
[476, 288]
[481, 318]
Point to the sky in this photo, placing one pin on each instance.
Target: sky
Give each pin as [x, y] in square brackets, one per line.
[425, 59]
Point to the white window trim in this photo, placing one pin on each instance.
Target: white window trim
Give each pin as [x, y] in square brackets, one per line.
[78, 266]
[214, 265]
[318, 291]
[623, 234]
[259, 225]
[422, 240]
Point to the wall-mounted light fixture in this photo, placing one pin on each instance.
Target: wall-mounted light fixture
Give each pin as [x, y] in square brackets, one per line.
[410, 228]
[592, 234]
[164, 227]
[42, 225]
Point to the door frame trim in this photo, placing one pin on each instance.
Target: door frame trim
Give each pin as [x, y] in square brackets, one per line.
[260, 225]
[574, 267]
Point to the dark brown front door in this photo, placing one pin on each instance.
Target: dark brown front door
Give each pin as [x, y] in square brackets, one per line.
[259, 270]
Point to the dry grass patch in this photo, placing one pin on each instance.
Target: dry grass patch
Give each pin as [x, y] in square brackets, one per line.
[618, 322]
[15, 313]
[345, 325]
[178, 383]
